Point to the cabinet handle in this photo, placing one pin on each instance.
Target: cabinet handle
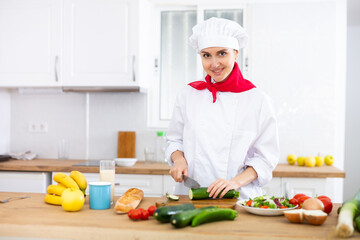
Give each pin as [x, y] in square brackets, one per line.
[117, 184]
[56, 64]
[133, 67]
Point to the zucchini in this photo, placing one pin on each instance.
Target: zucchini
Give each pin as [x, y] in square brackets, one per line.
[172, 197]
[212, 215]
[163, 214]
[183, 219]
[201, 193]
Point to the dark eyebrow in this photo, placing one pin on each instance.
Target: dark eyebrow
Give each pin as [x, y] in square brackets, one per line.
[222, 50]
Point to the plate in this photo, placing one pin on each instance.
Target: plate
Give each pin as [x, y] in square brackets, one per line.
[125, 162]
[265, 211]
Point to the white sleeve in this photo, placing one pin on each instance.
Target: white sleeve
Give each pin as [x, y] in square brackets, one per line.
[174, 135]
[264, 154]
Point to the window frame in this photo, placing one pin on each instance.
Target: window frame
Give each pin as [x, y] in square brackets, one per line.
[153, 99]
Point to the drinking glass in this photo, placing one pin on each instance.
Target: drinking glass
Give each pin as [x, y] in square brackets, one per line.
[107, 174]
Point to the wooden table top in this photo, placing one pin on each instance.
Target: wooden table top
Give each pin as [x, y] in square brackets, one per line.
[33, 218]
[140, 167]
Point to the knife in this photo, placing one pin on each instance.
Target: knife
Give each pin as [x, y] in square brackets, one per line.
[190, 183]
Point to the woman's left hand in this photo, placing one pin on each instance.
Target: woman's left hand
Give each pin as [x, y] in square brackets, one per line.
[221, 185]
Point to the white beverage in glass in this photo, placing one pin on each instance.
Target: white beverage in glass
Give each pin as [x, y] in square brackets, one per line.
[107, 174]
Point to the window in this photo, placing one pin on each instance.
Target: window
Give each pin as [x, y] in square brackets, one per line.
[176, 63]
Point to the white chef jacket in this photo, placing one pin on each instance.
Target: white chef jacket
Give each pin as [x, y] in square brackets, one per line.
[221, 139]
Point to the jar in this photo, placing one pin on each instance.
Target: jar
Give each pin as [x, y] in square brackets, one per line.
[160, 147]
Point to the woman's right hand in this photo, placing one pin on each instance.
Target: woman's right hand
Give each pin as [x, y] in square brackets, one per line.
[180, 166]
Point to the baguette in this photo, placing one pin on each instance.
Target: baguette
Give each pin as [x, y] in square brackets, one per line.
[130, 200]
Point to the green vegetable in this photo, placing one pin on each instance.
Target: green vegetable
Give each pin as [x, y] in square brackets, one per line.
[212, 215]
[183, 219]
[201, 193]
[172, 197]
[163, 214]
[357, 223]
[349, 211]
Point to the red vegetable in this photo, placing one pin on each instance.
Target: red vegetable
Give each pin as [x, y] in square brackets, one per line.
[151, 210]
[264, 206]
[294, 201]
[144, 214]
[136, 214]
[327, 204]
[129, 213]
[248, 203]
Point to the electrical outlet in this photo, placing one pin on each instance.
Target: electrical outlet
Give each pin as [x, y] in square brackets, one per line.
[38, 127]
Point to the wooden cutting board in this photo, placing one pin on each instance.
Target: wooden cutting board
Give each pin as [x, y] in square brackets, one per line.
[126, 144]
[221, 203]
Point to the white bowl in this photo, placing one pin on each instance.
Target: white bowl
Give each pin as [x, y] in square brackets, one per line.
[125, 162]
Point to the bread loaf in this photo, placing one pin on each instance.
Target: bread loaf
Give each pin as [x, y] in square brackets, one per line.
[130, 200]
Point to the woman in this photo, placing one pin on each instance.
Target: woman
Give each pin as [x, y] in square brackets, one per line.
[223, 131]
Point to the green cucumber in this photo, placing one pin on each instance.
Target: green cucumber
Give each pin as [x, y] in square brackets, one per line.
[201, 193]
[163, 214]
[212, 215]
[357, 223]
[172, 197]
[183, 219]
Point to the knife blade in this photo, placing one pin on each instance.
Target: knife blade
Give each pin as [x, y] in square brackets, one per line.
[189, 182]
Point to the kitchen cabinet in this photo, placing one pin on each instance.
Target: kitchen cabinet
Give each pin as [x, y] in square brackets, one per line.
[68, 43]
[152, 185]
[34, 182]
[30, 42]
[288, 186]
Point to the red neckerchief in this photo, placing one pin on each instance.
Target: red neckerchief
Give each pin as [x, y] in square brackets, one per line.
[235, 83]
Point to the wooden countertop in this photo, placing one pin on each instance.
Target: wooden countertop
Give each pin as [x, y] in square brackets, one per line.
[53, 165]
[33, 218]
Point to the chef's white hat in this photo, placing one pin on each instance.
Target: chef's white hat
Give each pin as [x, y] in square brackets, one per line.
[218, 32]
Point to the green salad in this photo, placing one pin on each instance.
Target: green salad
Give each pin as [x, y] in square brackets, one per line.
[266, 201]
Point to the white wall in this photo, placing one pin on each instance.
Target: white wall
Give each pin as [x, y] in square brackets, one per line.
[66, 115]
[352, 139]
[4, 121]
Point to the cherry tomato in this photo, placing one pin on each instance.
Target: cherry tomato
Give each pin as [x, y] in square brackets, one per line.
[283, 207]
[151, 210]
[248, 203]
[144, 214]
[129, 213]
[264, 206]
[136, 214]
[294, 201]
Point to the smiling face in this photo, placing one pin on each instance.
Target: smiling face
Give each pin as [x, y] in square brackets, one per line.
[218, 62]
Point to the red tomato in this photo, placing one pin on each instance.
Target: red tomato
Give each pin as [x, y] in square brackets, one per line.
[136, 214]
[151, 210]
[144, 214]
[298, 196]
[248, 203]
[283, 207]
[302, 199]
[264, 206]
[327, 205]
[129, 213]
[294, 201]
[324, 197]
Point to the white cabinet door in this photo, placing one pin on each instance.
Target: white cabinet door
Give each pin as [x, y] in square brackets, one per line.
[34, 182]
[152, 185]
[29, 42]
[98, 48]
[308, 186]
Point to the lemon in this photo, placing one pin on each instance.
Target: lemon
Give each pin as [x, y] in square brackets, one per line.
[319, 161]
[300, 161]
[291, 159]
[310, 161]
[329, 160]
